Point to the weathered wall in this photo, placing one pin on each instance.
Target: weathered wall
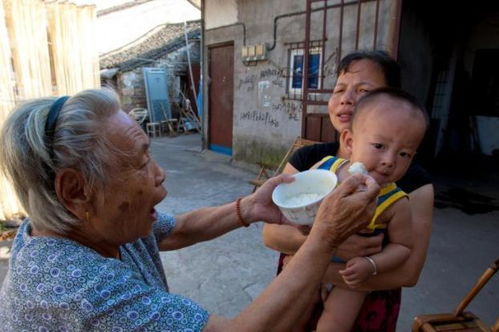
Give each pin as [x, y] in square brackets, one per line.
[265, 121]
[220, 12]
[131, 89]
[131, 85]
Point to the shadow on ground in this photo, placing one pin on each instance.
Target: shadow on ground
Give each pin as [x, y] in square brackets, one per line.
[465, 200]
[470, 185]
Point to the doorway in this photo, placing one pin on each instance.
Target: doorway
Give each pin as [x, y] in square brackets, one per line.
[221, 98]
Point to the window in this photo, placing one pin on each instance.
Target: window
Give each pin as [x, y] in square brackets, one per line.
[296, 70]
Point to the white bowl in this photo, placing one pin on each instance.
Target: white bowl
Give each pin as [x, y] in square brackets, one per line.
[300, 199]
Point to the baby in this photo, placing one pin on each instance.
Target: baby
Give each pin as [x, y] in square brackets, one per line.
[387, 128]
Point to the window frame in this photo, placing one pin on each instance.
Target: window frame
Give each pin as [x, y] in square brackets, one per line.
[300, 51]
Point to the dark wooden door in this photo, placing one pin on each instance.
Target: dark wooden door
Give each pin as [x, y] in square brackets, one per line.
[318, 127]
[221, 98]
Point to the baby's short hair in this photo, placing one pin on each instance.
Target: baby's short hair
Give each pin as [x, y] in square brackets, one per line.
[393, 93]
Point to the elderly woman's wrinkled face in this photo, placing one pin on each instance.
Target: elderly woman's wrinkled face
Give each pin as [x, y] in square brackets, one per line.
[362, 76]
[124, 209]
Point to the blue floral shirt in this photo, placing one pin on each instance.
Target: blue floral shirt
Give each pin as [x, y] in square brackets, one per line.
[56, 284]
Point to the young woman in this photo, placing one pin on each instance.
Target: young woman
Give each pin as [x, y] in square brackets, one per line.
[359, 73]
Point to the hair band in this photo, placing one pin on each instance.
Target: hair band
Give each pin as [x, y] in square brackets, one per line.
[52, 117]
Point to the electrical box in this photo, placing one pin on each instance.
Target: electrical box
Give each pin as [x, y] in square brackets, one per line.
[250, 54]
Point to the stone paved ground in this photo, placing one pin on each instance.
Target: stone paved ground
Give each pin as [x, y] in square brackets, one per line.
[224, 275]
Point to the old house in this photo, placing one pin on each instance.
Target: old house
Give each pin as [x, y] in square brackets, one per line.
[258, 53]
[160, 54]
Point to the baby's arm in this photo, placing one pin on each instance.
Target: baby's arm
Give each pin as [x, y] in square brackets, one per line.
[399, 234]
[357, 270]
[394, 254]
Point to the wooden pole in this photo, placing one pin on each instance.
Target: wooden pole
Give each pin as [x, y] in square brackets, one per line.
[8, 201]
[193, 88]
[46, 48]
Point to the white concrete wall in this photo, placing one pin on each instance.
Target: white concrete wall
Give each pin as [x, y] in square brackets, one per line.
[122, 27]
[220, 12]
[101, 4]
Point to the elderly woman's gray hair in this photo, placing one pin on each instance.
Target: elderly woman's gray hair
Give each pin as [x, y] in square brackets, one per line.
[78, 143]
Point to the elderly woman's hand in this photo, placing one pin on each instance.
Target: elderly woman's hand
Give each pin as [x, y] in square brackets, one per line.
[346, 210]
[259, 204]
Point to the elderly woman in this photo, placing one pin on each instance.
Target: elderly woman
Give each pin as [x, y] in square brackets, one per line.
[88, 258]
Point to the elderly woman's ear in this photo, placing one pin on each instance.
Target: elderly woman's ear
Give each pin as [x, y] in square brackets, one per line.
[72, 191]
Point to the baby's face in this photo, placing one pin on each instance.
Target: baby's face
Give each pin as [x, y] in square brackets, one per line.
[385, 140]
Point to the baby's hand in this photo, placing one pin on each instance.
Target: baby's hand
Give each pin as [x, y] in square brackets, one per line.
[356, 271]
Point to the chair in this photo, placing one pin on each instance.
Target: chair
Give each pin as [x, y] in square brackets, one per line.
[267, 171]
[139, 114]
[458, 320]
[169, 127]
[191, 120]
[153, 129]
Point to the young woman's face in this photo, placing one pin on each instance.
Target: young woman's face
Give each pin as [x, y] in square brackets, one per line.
[362, 76]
